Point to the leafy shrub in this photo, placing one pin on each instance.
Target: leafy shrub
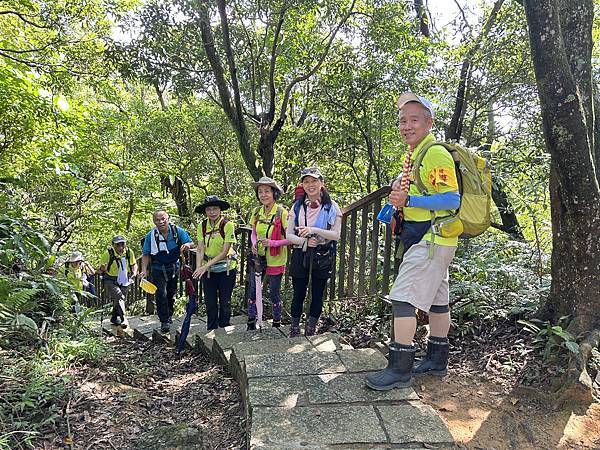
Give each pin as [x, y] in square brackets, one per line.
[550, 338]
[30, 397]
[494, 280]
[39, 335]
[67, 350]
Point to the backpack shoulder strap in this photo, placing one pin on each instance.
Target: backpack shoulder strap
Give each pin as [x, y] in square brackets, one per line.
[327, 208]
[222, 228]
[175, 234]
[297, 205]
[279, 215]
[419, 160]
[111, 258]
[130, 259]
[254, 218]
[204, 224]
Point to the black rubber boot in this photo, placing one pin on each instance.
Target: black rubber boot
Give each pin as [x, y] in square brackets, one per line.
[436, 361]
[251, 324]
[398, 373]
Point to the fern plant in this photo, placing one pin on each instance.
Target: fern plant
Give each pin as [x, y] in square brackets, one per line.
[15, 298]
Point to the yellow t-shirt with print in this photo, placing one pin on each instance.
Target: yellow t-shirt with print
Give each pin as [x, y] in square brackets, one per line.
[264, 230]
[214, 242]
[114, 268]
[438, 175]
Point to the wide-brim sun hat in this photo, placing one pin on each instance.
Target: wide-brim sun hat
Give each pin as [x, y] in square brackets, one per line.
[75, 256]
[311, 172]
[408, 97]
[266, 181]
[212, 200]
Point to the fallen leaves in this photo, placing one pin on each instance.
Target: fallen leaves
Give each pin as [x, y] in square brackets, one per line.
[114, 405]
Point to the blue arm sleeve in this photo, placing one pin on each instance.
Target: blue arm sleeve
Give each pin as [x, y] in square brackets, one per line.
[435, 202]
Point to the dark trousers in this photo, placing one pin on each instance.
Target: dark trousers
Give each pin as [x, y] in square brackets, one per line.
[118, 295]
[274, 294]
[300, 285]
[218, 286]
[166, 288]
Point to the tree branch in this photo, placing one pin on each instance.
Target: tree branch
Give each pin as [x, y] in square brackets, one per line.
[234, 115]
[23, 17]
[288, 90]
[454, 130]
[272, 99]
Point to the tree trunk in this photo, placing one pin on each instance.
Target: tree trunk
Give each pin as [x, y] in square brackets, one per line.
[179, 194]
[510, 223]
[561, 52]
[422, 18]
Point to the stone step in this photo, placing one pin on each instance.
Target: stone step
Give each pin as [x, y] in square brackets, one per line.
[223, 342]
[315, 427]
[328, 342]
[308, 393]
[313, 363]
[204, 339]
[348, 426]
[306, 390]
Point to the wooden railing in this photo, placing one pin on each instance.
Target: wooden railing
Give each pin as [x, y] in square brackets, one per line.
[363, 266]
[364, 252]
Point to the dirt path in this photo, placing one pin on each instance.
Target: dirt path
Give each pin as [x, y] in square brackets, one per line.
[483, 415]
[143, 387]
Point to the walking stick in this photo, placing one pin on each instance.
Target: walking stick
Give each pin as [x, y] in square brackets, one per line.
[308, 297]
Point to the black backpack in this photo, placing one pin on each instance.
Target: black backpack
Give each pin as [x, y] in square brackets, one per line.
[174, 232]
[112, 258]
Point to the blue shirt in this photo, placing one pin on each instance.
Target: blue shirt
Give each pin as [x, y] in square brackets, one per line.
[162, 257]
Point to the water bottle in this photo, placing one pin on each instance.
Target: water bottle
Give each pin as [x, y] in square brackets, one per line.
[386, 213]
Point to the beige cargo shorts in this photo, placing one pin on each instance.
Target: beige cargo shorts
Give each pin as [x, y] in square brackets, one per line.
[422, 280]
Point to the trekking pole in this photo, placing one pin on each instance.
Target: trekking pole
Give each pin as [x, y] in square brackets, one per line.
[308, 298]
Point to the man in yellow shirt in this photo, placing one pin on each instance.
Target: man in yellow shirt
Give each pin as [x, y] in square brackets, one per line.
[422, 281]
[118, 266]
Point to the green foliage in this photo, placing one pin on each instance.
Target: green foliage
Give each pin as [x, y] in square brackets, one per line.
[30, 393]
[494, 280]
[69, 349]
[550, 339]
[33, 388]
[33, 346]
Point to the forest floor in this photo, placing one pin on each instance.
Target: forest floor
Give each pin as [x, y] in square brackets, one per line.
[142, 386]
[496, 396]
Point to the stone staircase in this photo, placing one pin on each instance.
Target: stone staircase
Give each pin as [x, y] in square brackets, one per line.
[307, 393]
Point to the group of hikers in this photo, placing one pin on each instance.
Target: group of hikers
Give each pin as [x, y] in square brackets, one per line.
[310, 228]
